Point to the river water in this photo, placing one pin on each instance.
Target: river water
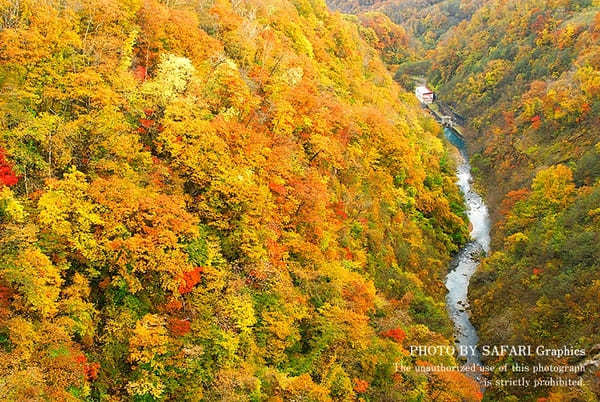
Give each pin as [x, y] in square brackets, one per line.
[467, 260]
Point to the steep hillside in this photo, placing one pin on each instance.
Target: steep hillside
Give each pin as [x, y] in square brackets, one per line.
[526, 77]
[426, 20]
[215, 201]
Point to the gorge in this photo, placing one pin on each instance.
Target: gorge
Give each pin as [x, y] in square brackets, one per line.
[466, 261]
[242, 200]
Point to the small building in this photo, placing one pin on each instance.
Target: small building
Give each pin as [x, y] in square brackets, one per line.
[424, 94]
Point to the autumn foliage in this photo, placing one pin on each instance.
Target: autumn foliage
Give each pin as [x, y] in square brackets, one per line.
[190, 279]
[7, 175]
[397, 334]
[179, 327]
[360, 386]
[214, 200]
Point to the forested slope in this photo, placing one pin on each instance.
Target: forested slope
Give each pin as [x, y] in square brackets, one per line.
[426, 20]
[215, 201]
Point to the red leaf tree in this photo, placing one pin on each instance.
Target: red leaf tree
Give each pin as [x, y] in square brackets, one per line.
[7, 175]
[190, 279]
[397, 334]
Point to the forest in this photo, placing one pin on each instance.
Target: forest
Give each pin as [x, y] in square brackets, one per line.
[218, 200]
[241, 200]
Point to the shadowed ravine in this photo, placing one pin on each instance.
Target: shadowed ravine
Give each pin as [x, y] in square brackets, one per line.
[467, 260]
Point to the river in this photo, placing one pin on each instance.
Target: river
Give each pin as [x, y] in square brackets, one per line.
[467, 260]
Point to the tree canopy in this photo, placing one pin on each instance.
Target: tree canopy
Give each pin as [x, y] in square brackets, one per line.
[215, 200]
